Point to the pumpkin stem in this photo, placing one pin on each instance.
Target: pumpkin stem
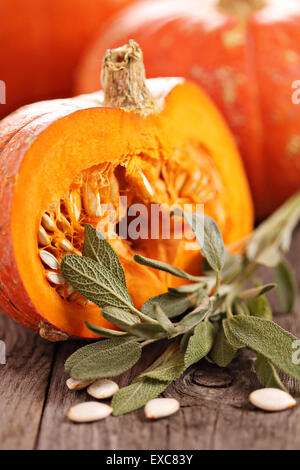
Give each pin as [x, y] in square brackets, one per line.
[124, 81]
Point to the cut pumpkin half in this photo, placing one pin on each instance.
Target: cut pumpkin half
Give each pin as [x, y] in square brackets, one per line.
[66, 163]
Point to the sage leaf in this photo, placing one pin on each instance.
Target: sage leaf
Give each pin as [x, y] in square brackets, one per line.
[185, 339]
[187, 288]
[120, 317]
[97, 248]
[267, 374]
[240, 307]
[172, 305]
[260, 307]
[266, 338]
[210, 240]
[198, 314]
[269, 256]
[106, 332]
[86, 351]
[170, 369]
[231, 263]
[286, 286]
[274, 233]
[147, 331]
[106, 358]
[231, 338]
[200, 343]
[136, 395]
[95, 282]
[168, 268]
[256, 291]
[163, 320]
[222, 353]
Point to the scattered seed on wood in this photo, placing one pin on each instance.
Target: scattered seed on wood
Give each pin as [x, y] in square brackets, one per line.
[88, 412]
[103, 388]
[161, 407]
[73, 384]
[272, 399]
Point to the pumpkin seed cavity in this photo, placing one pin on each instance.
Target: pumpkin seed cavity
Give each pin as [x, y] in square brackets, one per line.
[190, 177]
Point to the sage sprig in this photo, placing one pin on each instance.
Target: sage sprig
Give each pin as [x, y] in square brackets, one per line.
[213, 317]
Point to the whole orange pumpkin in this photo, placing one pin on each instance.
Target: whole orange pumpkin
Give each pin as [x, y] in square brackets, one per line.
[41, 41]
[246, 55]
[64, 161]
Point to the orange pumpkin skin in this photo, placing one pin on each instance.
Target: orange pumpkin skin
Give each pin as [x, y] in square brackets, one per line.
[44, 146]
[245, 59]
[41, 42]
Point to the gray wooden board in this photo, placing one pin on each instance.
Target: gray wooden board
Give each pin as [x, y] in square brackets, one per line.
[215, 412]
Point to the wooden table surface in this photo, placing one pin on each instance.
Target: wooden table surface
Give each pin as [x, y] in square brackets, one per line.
[214, 414]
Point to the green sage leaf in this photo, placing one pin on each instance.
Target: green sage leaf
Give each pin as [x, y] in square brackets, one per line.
[98, 249]
[260, 307]
[198, 314]
[210, 241]
[266, 338]
[170, 369]
[147, 331]
[286, 286]
[267, 374]
[200, 343]
[136, 395]
[231, 338]
[222, 353]
[274, 233]
[95, 282]
[168, 268]
[172, 305]
[187, 288]
[240, 307]
[106, 358]
[163, 320]
[120, 317]
[106, 332]
[256, 291]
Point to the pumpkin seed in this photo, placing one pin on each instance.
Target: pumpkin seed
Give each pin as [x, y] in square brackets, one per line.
[49, 259]
[73, 384]
[103, 388]
[63, 224]
[65, 291]
[66, 245]
[48, 223]
[89, 411]
[161, 407]
[43, 237]
[272, 399]
[55, 278]
[91, 201]
[74, 205]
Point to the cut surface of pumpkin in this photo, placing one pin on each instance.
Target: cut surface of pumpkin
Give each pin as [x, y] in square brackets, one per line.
[76, 161]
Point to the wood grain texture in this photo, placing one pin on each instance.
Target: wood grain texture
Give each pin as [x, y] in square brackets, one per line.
[215, 412]
[23, 384]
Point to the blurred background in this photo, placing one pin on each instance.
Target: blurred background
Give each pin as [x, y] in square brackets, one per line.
[244, 53]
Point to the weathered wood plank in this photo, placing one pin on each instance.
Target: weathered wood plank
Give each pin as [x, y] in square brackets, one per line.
[215, 412]
[23, 384]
